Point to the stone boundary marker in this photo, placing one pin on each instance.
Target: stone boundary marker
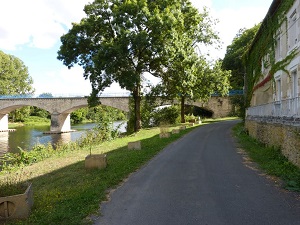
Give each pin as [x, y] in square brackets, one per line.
[136, 145]
[164, 135]
[95, 161]
[175, 131]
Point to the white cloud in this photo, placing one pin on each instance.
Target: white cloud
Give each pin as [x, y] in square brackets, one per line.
[230, 22]
[36, 23]
[68, 82]
[62, 82]
[200, 4]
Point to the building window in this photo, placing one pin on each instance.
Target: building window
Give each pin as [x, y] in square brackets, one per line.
[278, 48]
[292, 30]
[278, 90]
[265, 64]
[294, 77]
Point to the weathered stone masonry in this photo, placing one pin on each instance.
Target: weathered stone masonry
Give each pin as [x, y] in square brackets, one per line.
[279, 132]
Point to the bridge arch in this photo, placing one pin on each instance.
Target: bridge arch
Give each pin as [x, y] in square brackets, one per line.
[219, 106]
[59, 109]
[199, 111]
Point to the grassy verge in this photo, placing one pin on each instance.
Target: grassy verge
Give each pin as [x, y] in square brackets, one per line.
[14, 125]
[32, 120]
[269, 159]
[35, 120]
[66, 193]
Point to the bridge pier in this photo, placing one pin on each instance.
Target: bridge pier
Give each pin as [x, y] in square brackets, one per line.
[4, 123]
[60, 123]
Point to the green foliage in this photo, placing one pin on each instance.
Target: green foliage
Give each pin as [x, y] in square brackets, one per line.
[35, 111]
[19, 115]
[269, 159]
[238, 102]
[189, 117]
[265, 44]
[200, 81]
[233, 58]
[104, 130]
[24, 158]
[149, 104]
[79, 115]
[33, 120]
[45, 95]
[121, 40]
[13, 183]
[14, 76]
[166, 115]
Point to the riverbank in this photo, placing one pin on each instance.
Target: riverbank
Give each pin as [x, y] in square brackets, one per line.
[66, 193]
[29, 134]
[35, 120]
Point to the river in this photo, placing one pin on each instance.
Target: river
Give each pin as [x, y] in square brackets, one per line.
[26, 137]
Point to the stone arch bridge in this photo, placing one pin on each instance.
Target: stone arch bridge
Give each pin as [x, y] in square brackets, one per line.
[60, 108]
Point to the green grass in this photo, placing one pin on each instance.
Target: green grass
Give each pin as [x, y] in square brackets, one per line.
[32, 120]
[66, 193]
[14, 125]
[35, 120]
[269, 159]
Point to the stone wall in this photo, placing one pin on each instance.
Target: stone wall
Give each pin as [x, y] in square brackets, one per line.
[220, 106]
[278, 132]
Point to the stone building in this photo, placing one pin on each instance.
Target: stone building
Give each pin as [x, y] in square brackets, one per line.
[272, 80]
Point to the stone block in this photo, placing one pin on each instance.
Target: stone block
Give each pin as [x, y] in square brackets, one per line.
[182, 128]
[96, 161]
[175, 131]
[136, 145]
[164, 135]
[16, 206]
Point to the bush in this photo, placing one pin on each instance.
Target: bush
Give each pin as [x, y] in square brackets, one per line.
[167, 115]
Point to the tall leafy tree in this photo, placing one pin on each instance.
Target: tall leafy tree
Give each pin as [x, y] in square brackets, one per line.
[14, 76]
[121, 40]
[15, 80]
[233, 59]
[193, 79]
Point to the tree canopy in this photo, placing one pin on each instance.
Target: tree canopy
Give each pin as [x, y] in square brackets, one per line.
[121, 40]
[233, 59]
[14, 76]
[193, 79]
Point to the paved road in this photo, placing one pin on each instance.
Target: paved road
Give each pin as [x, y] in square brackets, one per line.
[200, 179]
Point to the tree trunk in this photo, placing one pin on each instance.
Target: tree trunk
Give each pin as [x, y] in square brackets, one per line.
[137, 109]
[182, 110]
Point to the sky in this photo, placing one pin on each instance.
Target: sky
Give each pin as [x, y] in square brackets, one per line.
[31, 31]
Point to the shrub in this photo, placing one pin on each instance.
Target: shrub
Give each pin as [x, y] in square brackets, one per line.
[167, 115]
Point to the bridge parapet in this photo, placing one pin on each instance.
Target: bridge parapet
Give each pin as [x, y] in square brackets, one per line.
[59, 108]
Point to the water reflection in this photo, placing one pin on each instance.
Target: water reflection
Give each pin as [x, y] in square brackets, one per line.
[3, 142]
[62, 138]
[26, 137]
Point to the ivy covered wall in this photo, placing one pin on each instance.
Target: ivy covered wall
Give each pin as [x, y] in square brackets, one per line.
[262, 60]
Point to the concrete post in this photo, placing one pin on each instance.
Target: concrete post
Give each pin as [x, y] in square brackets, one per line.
[60, 123]
[3, 122]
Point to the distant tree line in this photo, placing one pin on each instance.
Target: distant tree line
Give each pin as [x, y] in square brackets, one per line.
[80, 115]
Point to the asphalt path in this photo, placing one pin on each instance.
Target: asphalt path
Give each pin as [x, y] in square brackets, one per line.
[200, 179]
